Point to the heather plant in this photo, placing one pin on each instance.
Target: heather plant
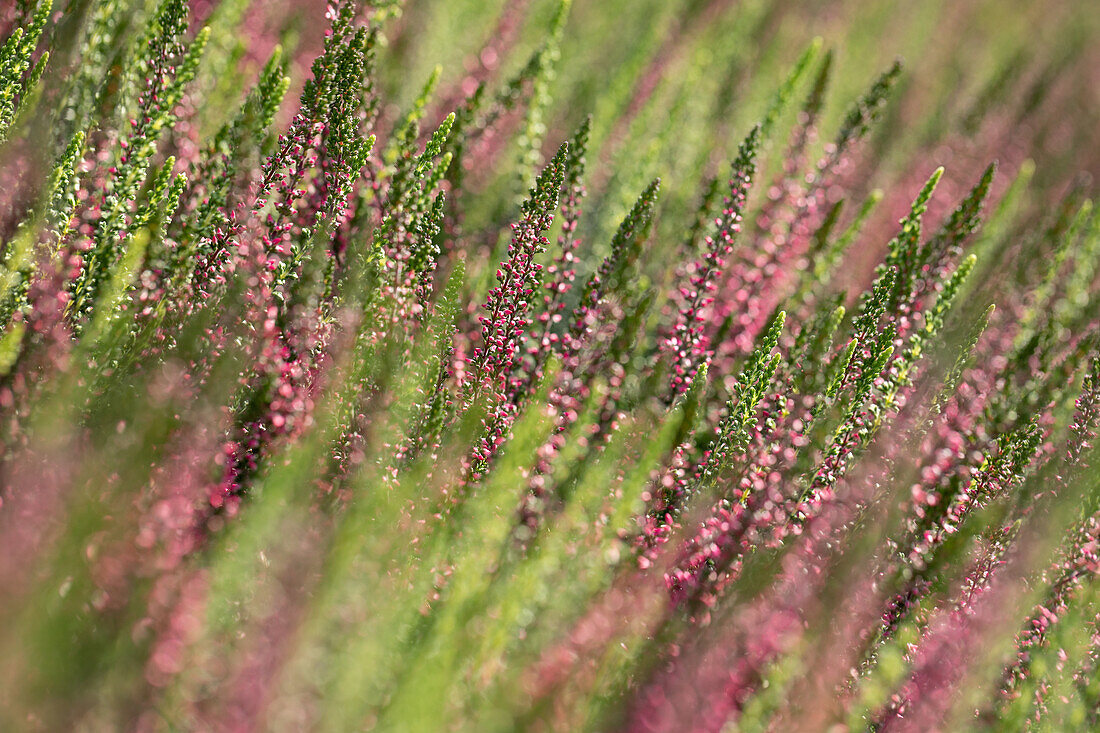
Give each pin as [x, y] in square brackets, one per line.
[544, 365]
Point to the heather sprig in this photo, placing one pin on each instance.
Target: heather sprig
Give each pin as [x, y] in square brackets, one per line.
[506, 307]
[733, 433]
[858, 423]
[414, 219]
[867, 108]
[534, 129]
[732, 437]
[19, 70]
[947, 243]
[904, 248]
[828, 251]
[794, 221]
[168, 66]
[900, 374]
[54, 214]
[687, 342]
[625, 247]
[221, 166]
[1077, 564]
[786, 90]
[436, 403]
[604, 284]
[561, 272]
[61, 191]
[96, 79]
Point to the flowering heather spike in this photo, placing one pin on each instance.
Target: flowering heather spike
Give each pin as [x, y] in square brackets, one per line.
[32, 91]
[409, 195]
[849, 235]
[505, 319]
[1086, 261]
[164, 80]
[535, 128]
[90, 85]
[628, 238]
[964, 358]
[1078, 561]
[789, 223]
[54, 213]
[62, 191]
[690, 401]
[508, 302]
[119, 280]
[434, 411]
[1087, 419]
[509, 95]
[18, 73]
[841, 370]
[815, 100]
[732, 437]
[415, 114]
[855, 428]
[811, 347]
[963, 222]
[434, 146]
[711, 189]
[899, 376]
[934, 317]
[827, 255]
[867, 108]
[752, 384]
[691, 580]
[425, 251]
[785, 90]
[15, 274]
[688, 343]
[159, 185]
[1033, 326]
[904, 247]
[873, 304]
[994, 479]
[611, 275]
[186, 70]
[1003, 216]
[227, 155]
[561, 273]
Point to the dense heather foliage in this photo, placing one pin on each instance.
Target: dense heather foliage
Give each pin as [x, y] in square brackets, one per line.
[638, 368]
